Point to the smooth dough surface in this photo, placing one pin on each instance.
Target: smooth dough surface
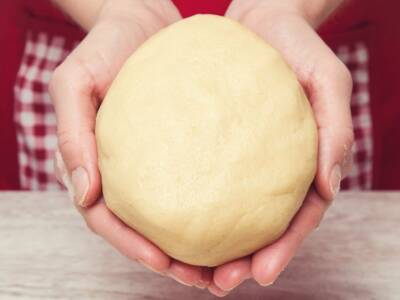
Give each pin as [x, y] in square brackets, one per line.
[207, 143]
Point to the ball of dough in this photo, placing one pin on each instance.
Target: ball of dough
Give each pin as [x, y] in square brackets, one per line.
[207, 143]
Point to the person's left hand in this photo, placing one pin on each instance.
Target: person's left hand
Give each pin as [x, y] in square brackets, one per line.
[328, 84]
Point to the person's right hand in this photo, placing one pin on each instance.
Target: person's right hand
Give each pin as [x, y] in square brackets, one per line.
[289, 26]
[77, 88]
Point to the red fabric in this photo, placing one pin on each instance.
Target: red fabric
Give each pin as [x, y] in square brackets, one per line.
[189, 8]
[376, 19]
[43, 9]
[11, 37]
[16, 16]
[355, 55]
[34, 115]
[378, 22]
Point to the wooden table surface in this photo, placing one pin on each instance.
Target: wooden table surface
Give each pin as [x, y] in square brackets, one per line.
[47, 253]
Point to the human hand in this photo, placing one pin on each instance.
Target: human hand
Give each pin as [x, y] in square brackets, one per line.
[288, 27]
[77, 88]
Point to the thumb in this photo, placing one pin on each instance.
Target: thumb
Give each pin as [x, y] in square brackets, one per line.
[76, 88]
[81, 81]
[76, 111]
[329, 86]
[331, 103]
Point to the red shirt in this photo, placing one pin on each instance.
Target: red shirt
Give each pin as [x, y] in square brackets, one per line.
[371, 21]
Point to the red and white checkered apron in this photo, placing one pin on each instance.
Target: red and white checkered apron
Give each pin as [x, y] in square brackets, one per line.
[33, 113]
[36, 123]
[356, 58]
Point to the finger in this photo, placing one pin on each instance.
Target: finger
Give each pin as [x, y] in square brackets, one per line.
[127, 241]
[61, 172]
[75, 102]
[330, 98]
[185, 274]
[328, 84]
[76, 88]
[348, 160]
[232, 274]
[206, 277]
[216, 291]
[269, 262]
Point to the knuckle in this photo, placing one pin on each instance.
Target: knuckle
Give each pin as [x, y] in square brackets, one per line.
[66, 141]
[334, 74]
[72, 74]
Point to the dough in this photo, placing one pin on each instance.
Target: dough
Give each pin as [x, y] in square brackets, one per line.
[207, 143]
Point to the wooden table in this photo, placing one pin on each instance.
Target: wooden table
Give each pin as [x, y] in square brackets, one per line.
[47, 253]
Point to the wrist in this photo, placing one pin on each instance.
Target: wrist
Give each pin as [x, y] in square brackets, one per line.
[84, 13]
[148, 16]
[131, 18]
[125, 11]
[314, 12]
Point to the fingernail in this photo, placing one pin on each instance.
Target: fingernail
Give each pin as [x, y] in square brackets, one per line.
[347, 161]
[67, 183]
[276, 277]
[336, 178]
[201, 284]
[217, 291]
[235, 286]
[267, 284]
[62, 174]
[58, 166]
[80, 185]
[205, 280]
[177, 279]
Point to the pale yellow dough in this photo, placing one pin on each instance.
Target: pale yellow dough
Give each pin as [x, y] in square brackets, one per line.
[207, 143]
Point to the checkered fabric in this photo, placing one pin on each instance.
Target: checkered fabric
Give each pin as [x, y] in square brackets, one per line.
[36, 123]
[33, 113]
[356, 58]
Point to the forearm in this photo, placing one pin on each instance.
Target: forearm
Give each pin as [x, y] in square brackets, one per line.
[83, 12]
